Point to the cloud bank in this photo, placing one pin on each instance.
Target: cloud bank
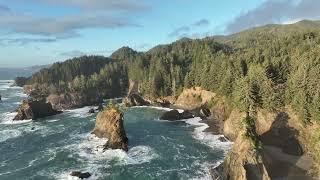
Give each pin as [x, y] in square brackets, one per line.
[276, 11]
[101, 14]
[106, 5]
[185, 30]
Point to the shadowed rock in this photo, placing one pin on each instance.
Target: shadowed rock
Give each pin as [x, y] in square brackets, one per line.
[30, 109]
[135, 100]
[109, 124]
[80, 174]
[175, 115]
[91, 111]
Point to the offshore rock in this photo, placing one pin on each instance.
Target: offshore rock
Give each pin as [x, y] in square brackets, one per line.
[109, 124]
[175, 115]
[33, 109]
[80, 175]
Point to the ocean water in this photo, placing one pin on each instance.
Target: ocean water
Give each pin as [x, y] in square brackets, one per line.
[52, 147]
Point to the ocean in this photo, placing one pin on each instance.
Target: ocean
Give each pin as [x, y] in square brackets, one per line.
[52, 147]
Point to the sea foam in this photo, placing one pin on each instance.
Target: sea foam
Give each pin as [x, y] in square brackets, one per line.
[81, 112]
[91, 151]
[8, 134]
[159, 108]
[207, 137]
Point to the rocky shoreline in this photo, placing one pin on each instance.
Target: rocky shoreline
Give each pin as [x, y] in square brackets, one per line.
[222, 120]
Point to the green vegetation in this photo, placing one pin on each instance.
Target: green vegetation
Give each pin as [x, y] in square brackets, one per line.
[267, 67]
[250, 132]
[112, 106]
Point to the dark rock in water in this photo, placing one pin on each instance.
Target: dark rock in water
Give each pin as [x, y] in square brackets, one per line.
[80, 175]
[186, 115]
[100, 108]
[109, 124]
[33, 128]
[91, 111]
[175, 115]
[135, 100]
[217, 172]
[171, 115]
[204, 112]
[222, 139]
[33, 109]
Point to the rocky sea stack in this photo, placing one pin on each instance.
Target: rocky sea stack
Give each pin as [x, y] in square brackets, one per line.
[32, 109]
[109, 124]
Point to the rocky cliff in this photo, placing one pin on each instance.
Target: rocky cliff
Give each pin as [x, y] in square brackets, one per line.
[289, 148]
[109, 124]
[33, 109]
[133, 97]
[72, 100]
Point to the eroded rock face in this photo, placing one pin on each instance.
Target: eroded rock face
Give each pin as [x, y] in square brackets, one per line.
[72, 100]
[30, 109]
[109, 124]
[135, 100]
[244, 162]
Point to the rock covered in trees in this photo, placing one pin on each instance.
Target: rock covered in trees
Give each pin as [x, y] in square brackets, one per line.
[20, 81]
[80, 175]
[32, 109]
[109, 124]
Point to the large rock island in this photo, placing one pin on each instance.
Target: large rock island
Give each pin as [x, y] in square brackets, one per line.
[33, 109]
[109, 124]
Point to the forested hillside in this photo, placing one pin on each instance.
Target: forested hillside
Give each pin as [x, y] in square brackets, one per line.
[267, 67]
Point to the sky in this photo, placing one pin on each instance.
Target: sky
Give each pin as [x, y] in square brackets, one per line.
[39, 32]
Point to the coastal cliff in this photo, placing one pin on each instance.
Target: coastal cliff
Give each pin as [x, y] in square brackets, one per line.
[273, 145]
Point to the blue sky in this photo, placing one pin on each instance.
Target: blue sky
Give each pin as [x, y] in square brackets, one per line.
[37, 32]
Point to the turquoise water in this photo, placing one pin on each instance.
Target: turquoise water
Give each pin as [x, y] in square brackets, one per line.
[53, 147]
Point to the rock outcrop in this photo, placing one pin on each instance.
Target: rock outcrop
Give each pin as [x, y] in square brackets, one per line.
[80, 175]
[20, 81]
[109, 124]
[174, 115]
[72, 100]
[30, 109]
[193, 98]
[135, 100]
[245, 160]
